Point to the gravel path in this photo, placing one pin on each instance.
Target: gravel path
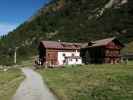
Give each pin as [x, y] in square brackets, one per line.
[33, 88]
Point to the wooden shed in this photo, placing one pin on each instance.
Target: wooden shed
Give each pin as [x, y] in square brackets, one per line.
[102, 51]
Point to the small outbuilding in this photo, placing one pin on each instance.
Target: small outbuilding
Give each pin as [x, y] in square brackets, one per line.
[102, 51]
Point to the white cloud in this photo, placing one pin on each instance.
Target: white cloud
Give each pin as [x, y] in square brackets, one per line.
[6, 27]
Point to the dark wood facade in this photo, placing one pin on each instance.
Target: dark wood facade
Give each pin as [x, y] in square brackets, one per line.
[102, 51]
[48, 56]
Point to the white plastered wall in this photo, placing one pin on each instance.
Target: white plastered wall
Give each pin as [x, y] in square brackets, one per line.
[61, 58]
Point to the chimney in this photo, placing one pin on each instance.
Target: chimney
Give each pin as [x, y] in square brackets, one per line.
[59, 40]
[90, 43]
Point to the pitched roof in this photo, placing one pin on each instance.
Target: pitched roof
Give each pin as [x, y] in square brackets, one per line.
[98, 43]
[60, 45]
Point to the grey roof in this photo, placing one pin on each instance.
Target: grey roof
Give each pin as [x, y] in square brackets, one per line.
[98, 43]
[60, 45]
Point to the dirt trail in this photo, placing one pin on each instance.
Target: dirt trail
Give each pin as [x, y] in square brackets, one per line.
[33, 87]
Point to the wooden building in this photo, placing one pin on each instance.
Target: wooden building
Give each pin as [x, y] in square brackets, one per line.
[102, 51]
[59, 53]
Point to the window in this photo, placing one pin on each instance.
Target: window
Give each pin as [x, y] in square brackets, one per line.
[72, 55]
[76, 60]
[64, 61]
[64, 54]
[70, 59]
[48, 55]
[107, 52]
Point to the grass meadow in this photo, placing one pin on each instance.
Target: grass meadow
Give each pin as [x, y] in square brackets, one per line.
[9, 82]
[91, 82]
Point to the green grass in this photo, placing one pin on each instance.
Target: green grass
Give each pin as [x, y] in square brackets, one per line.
[91, 82]
[9, 82]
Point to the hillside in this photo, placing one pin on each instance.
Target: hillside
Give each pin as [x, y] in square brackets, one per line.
[71, 20]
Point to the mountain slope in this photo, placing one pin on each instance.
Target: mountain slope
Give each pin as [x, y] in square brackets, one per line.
[71, 20]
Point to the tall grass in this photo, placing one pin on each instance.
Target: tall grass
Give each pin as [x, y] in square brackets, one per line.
[91, 82]
[9, 82]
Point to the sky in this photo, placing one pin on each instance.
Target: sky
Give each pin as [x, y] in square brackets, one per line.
[15, 12]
